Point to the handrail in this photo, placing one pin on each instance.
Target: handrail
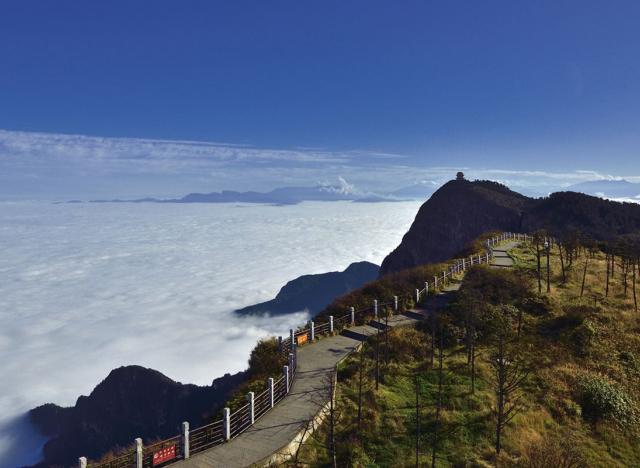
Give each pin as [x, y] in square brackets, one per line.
[234, 424]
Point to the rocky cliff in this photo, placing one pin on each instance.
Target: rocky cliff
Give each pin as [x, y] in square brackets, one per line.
[461, 210]
[131, 402]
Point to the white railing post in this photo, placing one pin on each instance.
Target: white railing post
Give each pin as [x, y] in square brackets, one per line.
[464, 264]
[353, 316]
[331, 324]
[395, 304]
[426, 289]
[417, 296]
[291, 362]
[226, 423]
[82, 462]
[270, 385]
[375, 308]
[185, 439]
[252, 407]
[138, 442]
[312, 327]
[285, 372]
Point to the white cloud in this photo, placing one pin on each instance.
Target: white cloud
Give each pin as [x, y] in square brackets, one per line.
[86, 288]
[77, 166]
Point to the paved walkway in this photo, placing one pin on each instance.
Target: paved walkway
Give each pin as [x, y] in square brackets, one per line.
[501, 258]
[278, 428]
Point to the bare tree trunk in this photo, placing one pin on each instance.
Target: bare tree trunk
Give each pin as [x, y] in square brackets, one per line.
[606, 289]
[635, 298]
[417, 422]
[360, 381]
[625, 274]
[433, 339]
[564, 275]
[548, 270]
[307, 428]
[378, 358]
[613, 265]
[473, 367]
[332, 424]
[584, 273]
[438, 406]
[538, 259]
[500, 393]
[386, 339]
[468, 336]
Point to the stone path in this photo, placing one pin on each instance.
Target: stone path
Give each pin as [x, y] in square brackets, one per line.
[501, 258]
[279, 427]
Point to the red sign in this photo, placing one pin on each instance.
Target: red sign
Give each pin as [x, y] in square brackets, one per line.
[163, 455]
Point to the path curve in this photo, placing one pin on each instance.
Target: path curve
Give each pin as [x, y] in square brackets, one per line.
[270, 436]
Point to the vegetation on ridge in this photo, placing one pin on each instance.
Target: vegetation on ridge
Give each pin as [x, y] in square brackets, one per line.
[577, 348]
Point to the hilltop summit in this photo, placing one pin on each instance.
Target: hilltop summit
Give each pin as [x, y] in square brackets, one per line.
[462, 210]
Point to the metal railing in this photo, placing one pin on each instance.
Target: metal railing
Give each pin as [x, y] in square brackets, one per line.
[233, 424]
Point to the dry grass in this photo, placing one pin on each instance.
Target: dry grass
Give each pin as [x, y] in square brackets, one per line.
[588, 335]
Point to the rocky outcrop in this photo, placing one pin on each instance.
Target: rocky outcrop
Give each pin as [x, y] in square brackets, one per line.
[460, 211]
[315, 292]
[131, 402]
[457, 213]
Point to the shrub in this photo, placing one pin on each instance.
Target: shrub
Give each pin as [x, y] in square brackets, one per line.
[628, 359]
[630, 362]
[556, 451]
[497, 286]
[577, 313]
[537, 305]
[583, 335]
[265, 360]
[571, 408]
[601, 399]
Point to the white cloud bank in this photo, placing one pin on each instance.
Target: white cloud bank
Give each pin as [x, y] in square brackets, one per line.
[87, 288]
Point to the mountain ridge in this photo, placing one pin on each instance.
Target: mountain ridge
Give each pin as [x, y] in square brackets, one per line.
[132, 401]
[315, 292]
[462, 210]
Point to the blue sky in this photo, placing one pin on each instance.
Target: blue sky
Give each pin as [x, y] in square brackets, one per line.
[551, 86]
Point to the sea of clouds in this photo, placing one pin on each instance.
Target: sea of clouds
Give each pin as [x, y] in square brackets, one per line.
[89, 287]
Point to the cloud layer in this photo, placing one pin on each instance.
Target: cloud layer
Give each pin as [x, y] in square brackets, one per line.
[54, 166]
[87, 288]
